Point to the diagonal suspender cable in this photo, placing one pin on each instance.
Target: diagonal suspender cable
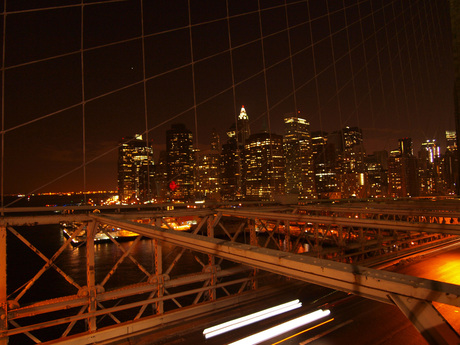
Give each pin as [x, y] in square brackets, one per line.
[144, 89]
[267, 105]
[423, 45]
[334, 61]
[238, 151]
[290, 58]
[83, 98]
[192, 57]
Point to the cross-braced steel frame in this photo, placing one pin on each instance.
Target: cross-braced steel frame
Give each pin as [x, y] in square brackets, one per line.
[99, 307]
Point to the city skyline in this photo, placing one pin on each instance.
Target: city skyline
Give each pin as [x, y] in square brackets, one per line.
[268, 166]
[158, 148]
[78, 78]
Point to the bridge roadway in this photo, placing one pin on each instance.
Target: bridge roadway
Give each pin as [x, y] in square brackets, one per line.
[414, 296]
[355, 320]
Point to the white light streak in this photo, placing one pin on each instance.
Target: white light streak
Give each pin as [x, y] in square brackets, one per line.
[282, 328]
[249, 319]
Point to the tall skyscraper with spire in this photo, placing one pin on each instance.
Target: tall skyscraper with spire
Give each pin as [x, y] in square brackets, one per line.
[242, 127]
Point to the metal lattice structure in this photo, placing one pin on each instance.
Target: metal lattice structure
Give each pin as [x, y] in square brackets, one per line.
[229, 254]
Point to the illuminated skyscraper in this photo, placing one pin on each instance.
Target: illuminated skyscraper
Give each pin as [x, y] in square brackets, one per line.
[264, 166]
[229, 169]
[449, 167]
[405, 147]
[242, 125]
[135, 170]
[403, 178]
[430, 151]
[324, 155]
[207, 183]
[352, 150]
[232, 162]
[451, 140]
[429, 168]
[352, 178]
[180, 159]
[377, 168]
[298, 151]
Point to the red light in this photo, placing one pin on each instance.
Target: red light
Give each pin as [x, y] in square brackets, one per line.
[172, 185]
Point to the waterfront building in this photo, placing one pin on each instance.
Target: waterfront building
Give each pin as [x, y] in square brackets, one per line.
[298, 150]
[136, 170]
[180, 162]
[264, 166]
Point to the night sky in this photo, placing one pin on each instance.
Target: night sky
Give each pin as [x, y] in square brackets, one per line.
[70, 95]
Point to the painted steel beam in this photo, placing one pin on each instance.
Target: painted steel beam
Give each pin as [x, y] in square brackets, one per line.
[363, 281]
[75, 301]
[356, 222]
[382, 209]
[3, 291]
[149, 324]
[32, 220]
[428, 321]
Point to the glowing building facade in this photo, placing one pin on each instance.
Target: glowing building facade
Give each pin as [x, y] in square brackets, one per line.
[298, 151]
[403, 177]
[242, 127]
[207, 185]
[352, 176]
[264, 166]
[449, 167]
[429, 168]
[180, 162]
[135, 170]
[324, 155]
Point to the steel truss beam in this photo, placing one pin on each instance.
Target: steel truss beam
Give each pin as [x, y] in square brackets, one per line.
[149, 324]
[92, 303]
[351, 278]
[373, 283]
[362, 281]
[351, 222]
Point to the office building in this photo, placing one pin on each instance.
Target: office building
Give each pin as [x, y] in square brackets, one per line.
[136, 170]
[180, 162]
[325, 166]
[264, 167]
[298, 151]
[207, 185]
